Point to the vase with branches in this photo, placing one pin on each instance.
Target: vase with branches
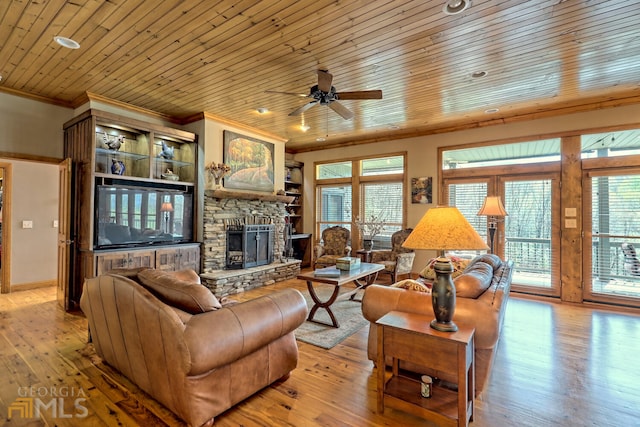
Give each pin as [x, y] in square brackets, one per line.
[217, 171]
[369, 228]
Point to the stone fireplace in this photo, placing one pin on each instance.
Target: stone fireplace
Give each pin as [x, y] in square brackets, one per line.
[224, 210]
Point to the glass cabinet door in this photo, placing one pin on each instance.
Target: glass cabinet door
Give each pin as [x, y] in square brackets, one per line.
[173, 159]
[122, 152]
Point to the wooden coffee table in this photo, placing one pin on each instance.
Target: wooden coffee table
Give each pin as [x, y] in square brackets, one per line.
[363, 276]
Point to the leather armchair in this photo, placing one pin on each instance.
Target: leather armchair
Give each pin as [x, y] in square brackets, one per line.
[631, 262]
[398, 260]
[197, 365]
[333, 245]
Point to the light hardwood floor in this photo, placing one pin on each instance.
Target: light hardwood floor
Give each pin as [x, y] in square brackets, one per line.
[557, 364]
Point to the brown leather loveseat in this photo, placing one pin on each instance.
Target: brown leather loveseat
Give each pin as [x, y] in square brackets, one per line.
[170, 336]
[482, 291]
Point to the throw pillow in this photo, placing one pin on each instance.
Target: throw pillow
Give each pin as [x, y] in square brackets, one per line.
[459, 264]
[475, 280]
[491, 259]
[412, 285]
[189, 296]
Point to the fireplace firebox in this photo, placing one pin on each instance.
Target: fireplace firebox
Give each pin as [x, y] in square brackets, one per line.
[249, 245]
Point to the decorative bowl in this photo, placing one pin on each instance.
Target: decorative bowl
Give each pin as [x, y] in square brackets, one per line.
[170, 176]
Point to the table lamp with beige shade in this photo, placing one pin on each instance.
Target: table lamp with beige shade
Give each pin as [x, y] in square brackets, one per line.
[444, 228]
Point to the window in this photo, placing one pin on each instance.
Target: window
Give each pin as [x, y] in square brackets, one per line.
[334, 170]
[333, 207]
[383, 201]
[361, 188]
[611, 144]
[382, 166]
[520, 153]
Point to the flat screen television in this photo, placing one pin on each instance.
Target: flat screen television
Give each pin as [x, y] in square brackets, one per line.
[134, 214]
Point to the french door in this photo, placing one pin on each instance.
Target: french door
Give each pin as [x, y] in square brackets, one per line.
[530, 233]
[612, 219]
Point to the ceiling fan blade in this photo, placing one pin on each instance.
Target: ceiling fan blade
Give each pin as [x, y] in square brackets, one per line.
[341, 109]
[302, 95]
[361, 94]
[302, 109]
[324, 80]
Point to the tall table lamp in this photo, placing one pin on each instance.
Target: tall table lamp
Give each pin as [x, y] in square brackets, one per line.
[444, 228]
[167, 208]
[494, 210]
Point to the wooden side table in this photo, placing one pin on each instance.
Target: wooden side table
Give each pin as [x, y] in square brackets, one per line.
[408, 336]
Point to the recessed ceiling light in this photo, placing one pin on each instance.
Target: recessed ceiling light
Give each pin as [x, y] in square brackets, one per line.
[453, 7]
[491, 110]
[262, 110]
[478, 74]
[394, 127]
[321, 139]
[65, 42]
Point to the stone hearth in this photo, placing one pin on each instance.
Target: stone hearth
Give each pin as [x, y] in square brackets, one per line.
[228, 282]
[222, 207]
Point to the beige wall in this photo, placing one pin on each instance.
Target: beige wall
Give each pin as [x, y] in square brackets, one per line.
[32, 128]
[422, 153]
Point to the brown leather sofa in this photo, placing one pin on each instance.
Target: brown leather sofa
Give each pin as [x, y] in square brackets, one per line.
[171, 337]
[482, 291]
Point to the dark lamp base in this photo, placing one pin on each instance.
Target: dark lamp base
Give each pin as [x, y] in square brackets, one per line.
[444, 326]
[443, 296]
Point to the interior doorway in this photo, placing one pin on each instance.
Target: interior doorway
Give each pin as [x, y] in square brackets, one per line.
[5, 231]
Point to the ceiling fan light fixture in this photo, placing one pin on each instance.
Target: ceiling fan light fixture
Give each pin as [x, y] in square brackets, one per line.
[262, 110]
[66, 42]
[304, 128]
[454, 7]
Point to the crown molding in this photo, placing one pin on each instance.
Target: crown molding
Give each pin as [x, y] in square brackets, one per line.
[232, 123]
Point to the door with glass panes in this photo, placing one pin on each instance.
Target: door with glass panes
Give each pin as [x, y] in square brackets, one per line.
[612, 236]
[529, 235]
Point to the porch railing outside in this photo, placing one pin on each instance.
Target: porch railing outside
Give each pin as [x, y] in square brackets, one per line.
[532, 259]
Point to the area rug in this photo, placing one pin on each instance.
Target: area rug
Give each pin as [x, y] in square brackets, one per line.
[347, 312]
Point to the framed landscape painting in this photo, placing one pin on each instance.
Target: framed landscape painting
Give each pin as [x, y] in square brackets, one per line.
[251, 163]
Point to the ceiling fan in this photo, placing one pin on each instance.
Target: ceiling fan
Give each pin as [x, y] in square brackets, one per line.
[324, 93]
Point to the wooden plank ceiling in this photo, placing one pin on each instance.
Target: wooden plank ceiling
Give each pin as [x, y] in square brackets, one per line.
[181, 58]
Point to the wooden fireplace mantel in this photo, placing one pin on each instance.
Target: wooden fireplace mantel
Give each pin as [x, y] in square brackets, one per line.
[224, 194]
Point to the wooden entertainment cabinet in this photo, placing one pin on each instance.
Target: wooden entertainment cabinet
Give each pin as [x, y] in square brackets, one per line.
[111, 150]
